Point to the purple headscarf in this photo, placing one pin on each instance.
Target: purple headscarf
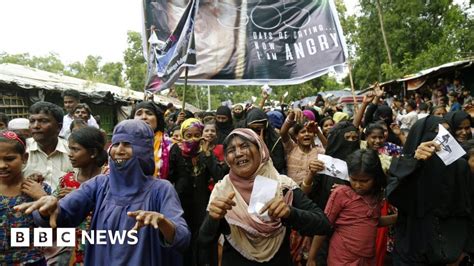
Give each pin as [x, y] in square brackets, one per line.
[131, 177]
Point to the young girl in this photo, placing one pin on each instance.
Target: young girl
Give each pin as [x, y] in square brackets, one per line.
[14, 189]
[302, 163]
[302, 154]
[375, 141]
[354, 213]
[87, 155]
[209, 134]
[175, 134]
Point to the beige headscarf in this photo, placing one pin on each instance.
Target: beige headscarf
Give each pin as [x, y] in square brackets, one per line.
[253, 238]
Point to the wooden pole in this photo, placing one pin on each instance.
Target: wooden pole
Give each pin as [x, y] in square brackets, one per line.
[196, 88]
[152, 30]
[356, 107]
[382, 28]
[185, 87]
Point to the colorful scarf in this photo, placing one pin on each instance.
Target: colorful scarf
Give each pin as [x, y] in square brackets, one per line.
[190, 148]
[253, 238]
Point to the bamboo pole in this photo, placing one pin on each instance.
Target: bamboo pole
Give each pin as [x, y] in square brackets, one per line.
[382, 28]
[185, 87]
[356, 107]
[152, 30]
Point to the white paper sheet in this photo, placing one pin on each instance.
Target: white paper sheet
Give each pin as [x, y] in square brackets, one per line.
[450, 148]
[264, 190]
[334, 167]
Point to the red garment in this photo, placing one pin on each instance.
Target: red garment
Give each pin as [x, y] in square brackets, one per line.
[355, 219]
[69, 181]
[381, 241]
[218, 151]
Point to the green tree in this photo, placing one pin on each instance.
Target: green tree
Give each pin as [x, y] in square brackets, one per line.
[420, 34]
[111, 73]
[50, 62]
[92, 69]
[135, 64]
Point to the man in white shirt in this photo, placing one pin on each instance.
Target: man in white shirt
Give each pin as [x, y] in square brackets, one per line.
[71, 99]
[410, 118]
[423, 111]
[48, 154]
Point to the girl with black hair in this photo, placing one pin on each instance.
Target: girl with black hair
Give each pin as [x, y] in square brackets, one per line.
[375, 140]
[354, 213]
[16, 189]
[326, 124]
[87, 155]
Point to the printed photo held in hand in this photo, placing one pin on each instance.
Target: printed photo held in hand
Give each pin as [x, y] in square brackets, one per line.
[128, 198]
[450, 149]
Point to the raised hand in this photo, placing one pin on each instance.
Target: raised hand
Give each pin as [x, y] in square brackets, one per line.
[220, 205]
[312, 126]
[426, 150]
[316, 166]
[378, 91]
[369, 97]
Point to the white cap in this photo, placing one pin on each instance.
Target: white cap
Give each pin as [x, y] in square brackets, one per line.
[19, 123]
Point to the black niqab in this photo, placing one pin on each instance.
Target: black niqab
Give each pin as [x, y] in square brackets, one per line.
[338, 146]
[433, 200]
[224, 128]
[272, 138]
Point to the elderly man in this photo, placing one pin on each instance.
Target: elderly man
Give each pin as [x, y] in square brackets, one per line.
[71, 99]
[48, 154]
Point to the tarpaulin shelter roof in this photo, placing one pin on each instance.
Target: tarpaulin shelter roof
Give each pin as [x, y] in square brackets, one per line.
[30, 78]
[414, 81]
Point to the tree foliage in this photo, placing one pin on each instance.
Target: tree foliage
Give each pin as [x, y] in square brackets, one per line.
[420, 34]
[50, 62]
[135, 64]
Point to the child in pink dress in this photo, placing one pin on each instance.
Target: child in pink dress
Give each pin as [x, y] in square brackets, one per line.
[354, 213]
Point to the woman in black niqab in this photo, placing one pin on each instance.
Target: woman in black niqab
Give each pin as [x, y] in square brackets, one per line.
[224, 128]
[338, 146]
[433, 202]
[271, 137]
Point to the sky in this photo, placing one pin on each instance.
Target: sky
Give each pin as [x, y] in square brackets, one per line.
[74, 29]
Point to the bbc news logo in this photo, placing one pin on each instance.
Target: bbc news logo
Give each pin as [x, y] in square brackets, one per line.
[66, 237]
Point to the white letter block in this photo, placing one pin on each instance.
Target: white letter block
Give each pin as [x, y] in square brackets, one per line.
[43, 237]
[20, 237]
[66, 237]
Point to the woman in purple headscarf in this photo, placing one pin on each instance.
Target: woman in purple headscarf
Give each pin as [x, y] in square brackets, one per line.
[128, 198]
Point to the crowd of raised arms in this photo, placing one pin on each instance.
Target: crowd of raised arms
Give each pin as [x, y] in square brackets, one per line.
[187, 184]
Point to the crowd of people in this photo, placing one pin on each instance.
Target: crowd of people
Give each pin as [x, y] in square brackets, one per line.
[184, 183]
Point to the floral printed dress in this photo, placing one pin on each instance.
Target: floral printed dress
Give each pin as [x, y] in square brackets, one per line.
[9, 218]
